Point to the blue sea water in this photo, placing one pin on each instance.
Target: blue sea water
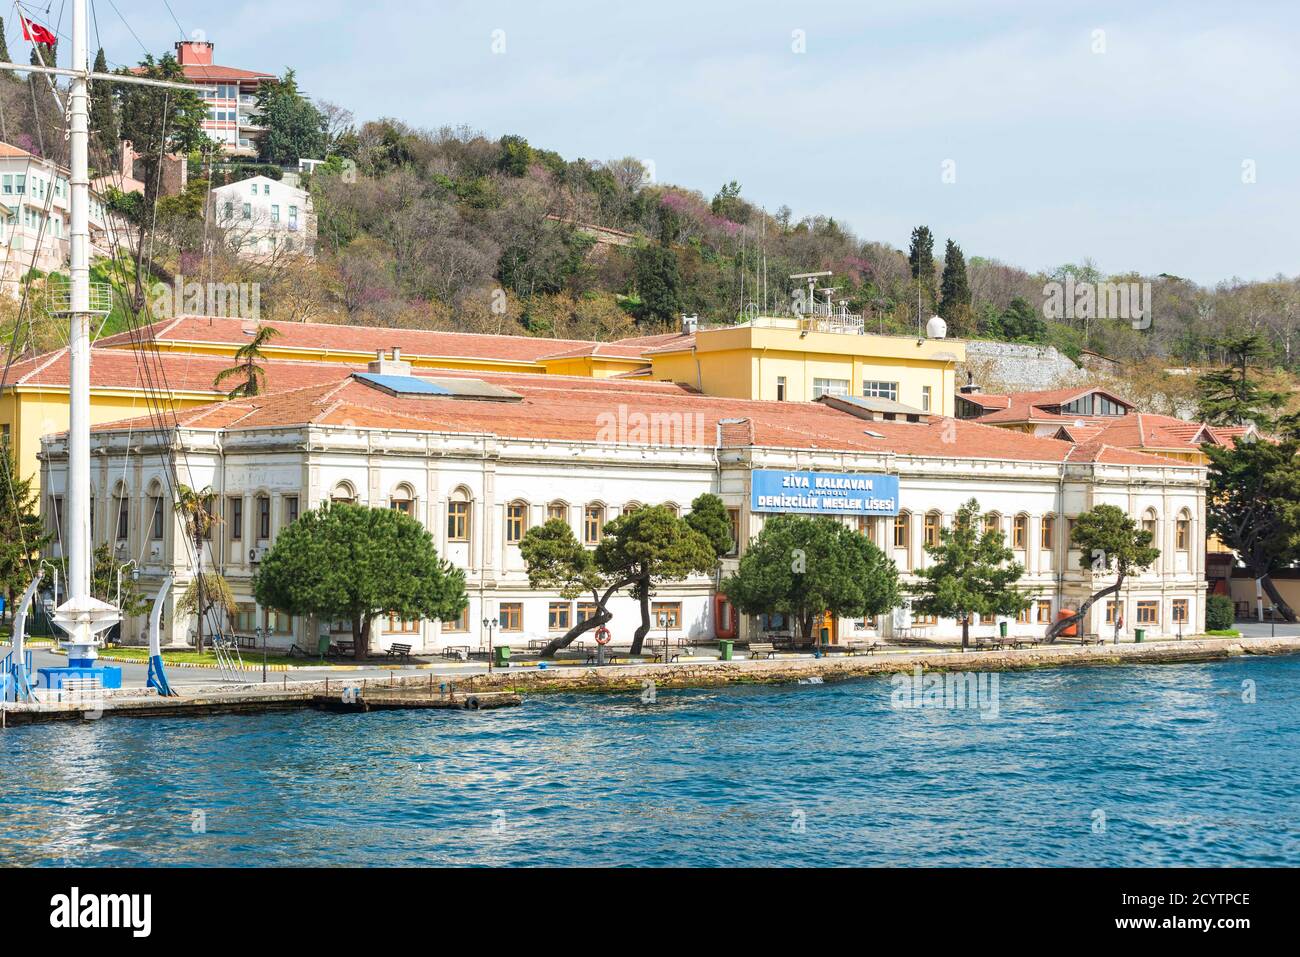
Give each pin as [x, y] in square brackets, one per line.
[1143, 766]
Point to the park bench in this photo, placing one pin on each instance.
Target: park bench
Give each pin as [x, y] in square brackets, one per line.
[761, 649]
[1091, 639]
[344, 648]
[663, 652]
[861, 646]
[611, 657]
[398, 650]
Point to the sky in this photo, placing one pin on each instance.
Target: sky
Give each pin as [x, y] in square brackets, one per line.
[1156, 136]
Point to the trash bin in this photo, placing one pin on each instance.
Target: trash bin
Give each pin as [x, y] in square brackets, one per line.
[501, 658]
[1139, 634]
[724, 649]
[323, 645]
[1002, 629]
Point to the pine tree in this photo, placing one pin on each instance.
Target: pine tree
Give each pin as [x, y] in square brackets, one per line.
[103, 120]
[954, 290]
[1230, 396]
[921, 258]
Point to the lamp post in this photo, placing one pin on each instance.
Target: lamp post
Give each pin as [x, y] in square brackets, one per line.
[489, 624]
[663, 623]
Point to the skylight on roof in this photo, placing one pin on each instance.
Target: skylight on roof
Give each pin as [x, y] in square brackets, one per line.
[402, 384]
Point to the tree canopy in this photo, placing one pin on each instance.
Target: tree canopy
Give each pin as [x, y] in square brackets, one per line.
[295, 128]
[804, 566]
[971, 572]
[344, 562]
[1108, 539]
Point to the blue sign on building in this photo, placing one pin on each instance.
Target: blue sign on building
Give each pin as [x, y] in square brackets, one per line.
[823, 493]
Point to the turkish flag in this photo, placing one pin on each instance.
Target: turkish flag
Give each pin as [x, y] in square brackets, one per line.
[36, 33]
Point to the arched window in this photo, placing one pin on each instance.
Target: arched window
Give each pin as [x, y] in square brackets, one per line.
[403, 500]
[933, 521]
[593, 523]
[516, 522]
[343, 492]
[1183, 531]
[1149, 524]
[121, 513]
[1020, 531]
[263, 513]
[1047, 533]
[156, 505]
[673, 508]
[992, 522]
[631, 507]
[458, 518]
[902, 529]
[558, 510]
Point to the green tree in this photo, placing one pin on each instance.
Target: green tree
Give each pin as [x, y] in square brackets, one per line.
[198, 514]
[1021, 322]
[651, 546]
[920, 255]
[516, 155]
[658, 283]
[1231, 396]
[204, 592]
[555, 559]
[111, 581]
[971, 572]
[954, 288]
[1250, 506]
[804, 566]
[294, 128]
[709, 517]
[157, 121]
[22, 534]
[344, 562]
[103, 122]
[248, 356]
[1108, 540]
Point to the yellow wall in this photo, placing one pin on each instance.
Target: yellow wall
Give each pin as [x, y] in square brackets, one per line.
[34, 411]
[745, 362]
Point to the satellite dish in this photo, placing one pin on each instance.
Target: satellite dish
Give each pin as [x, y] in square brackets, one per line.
[936, 328]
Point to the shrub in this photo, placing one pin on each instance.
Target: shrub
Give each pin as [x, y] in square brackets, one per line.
[1219, 613]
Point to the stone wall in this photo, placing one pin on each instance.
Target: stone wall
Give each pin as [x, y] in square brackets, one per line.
[1016, 367]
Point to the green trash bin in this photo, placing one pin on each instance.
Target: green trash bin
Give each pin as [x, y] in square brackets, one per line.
[323, 646]
[1002, 629]
[725, 648]
[501, 658]
[1139, 634]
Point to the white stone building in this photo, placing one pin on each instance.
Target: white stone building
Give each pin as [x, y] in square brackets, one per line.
[263, 218]
[479, 458]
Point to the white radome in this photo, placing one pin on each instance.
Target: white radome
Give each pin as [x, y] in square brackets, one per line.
[936, 328]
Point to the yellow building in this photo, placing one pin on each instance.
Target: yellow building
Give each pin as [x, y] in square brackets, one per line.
[798, 360]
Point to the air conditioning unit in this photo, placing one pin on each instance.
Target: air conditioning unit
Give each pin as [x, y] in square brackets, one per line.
[255, 555]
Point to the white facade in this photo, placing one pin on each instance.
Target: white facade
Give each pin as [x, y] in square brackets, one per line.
[265, 476]
[263, 218]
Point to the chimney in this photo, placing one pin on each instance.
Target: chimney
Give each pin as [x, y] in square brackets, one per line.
[382, 365]
[194, 53]
[690, 324]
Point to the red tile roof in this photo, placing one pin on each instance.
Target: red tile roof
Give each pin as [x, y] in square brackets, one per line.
[351, 340]
[580, 409]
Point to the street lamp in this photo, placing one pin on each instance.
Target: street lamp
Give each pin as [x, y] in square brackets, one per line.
[489, 624]
[664, 621]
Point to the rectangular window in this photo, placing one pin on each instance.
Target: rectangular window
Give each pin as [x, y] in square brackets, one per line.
[263, 517]
[1019, 531]
[1178, 611]
[593, 524]
[902, 529]
[9, 183]
[293, 217]
[402, 505]
[516, 522]
[1044, 612]
[586, 611]
[458, 521]
[932, 529]
[278, 623]
[254, 185]
[880, 390]
[156, 529]
[1182, 534]
[459, 624]
[510, 614]
[275, 212]
[557, 510]
[823, 387]
[666, 614]
[1148, 612]
[1047, 529]
[123, 519]
[557, 616]
[925, 398]
[230, 210]
[290, 509]
[236, 519]
[1112, 609]
[401, 626]
[1022, 616]
[780, 387]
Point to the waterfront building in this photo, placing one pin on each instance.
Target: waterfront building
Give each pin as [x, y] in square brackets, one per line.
[479, 457]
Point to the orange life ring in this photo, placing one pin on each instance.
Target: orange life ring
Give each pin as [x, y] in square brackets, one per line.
[602, 635]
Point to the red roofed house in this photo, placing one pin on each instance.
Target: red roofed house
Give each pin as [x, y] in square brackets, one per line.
[230, 95]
